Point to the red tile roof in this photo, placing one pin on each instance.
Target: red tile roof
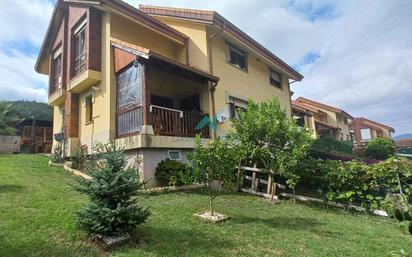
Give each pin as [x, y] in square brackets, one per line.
[402, 143]
[323, 106]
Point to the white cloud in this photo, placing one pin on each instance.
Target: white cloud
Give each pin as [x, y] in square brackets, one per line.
[19, 80]
[24, 20]
[22, 27]
[365, 47]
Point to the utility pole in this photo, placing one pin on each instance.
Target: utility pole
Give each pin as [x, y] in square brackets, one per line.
[33, 140]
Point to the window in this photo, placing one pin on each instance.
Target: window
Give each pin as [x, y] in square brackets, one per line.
[366, 134]
[79, 49]
[275, 78]
[56, 78]
[129, 100]
[89, 108]
[175, 155]
[236, 106]
[237, 58]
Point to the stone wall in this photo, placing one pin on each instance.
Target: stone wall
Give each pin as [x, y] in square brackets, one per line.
[9, 144]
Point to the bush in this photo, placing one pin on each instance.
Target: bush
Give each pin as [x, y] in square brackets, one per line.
[330, 145]
[398, 207]
[80, 159]
[112, 191]
[57, 154]
[356, 182]
[174, 173]
[380, 148]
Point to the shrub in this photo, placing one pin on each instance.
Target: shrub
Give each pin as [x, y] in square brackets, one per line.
[174, 173]
[398, 207]
[356, 182]
[112, 191]
[80, 158]
[57, 154]
[330, 145]
[380, 148]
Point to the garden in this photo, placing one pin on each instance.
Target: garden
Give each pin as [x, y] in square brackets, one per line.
[115, 215]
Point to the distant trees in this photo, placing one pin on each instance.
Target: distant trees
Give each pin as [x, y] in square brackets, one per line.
[8, 119]
[27, 109]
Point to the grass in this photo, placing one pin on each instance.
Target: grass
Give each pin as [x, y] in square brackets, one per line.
[37, 218]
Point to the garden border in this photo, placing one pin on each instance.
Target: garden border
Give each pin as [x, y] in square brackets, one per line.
[147, 191]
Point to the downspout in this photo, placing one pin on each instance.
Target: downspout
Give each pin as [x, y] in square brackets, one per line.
[187, 52]
[214, 85]
[290, 97]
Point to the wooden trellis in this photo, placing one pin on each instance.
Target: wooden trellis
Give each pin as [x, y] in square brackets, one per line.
[259, 183]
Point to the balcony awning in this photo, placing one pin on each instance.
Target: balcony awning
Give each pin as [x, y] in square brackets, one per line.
[127, 53]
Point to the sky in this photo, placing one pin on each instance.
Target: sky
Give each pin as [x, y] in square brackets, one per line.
[354, 54]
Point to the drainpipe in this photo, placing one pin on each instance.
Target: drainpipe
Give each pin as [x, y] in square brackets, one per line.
[214, 85]
[187, 52]
[290, 98]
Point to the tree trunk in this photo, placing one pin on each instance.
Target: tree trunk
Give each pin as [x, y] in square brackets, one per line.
[211, 199]
[273, 188]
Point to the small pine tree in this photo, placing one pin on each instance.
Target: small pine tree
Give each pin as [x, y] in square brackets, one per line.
[112, 191]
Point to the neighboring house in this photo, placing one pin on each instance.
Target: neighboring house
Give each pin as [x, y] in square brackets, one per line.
[38, 141]
[304, 116]
[404, 147]
[146, 78]
[365, 130]
[327, 121]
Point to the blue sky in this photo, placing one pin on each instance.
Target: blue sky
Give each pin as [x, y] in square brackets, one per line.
[356, 55]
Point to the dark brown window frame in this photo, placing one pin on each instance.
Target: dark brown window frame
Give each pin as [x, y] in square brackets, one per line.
[89, 108]
[79, 58]
[272, 81]
[237, 51]
[56, 77]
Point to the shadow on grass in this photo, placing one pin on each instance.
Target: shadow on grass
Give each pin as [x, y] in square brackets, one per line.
[11, 188]
[288, 223]
[175, 241]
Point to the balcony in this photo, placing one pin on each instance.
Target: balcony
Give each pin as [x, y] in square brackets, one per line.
[83, 78]
[57, 97]
[171, 122]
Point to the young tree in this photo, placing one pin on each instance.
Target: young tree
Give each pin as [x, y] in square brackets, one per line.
[8, 119]
[215, 162]
[112, 191]
[270, 137]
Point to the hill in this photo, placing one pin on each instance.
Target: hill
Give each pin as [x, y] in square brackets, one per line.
[27, 109]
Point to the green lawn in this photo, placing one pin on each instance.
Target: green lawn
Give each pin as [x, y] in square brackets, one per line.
[37, 207]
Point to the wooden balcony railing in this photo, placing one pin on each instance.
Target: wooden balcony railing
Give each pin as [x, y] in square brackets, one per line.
[79, 64]
[129, 122]
[171, 122]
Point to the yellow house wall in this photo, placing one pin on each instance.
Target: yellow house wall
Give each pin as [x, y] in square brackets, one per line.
[57, 120]
[253, 84]
[344, 128]
[197, 41]
[134, 33]
[333, 120]
[102, 128]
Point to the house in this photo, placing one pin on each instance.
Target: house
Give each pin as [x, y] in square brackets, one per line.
[304, 116]
[326, 121]
[36, 135]
[152, 78]
[365, 130]
[404, 147]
